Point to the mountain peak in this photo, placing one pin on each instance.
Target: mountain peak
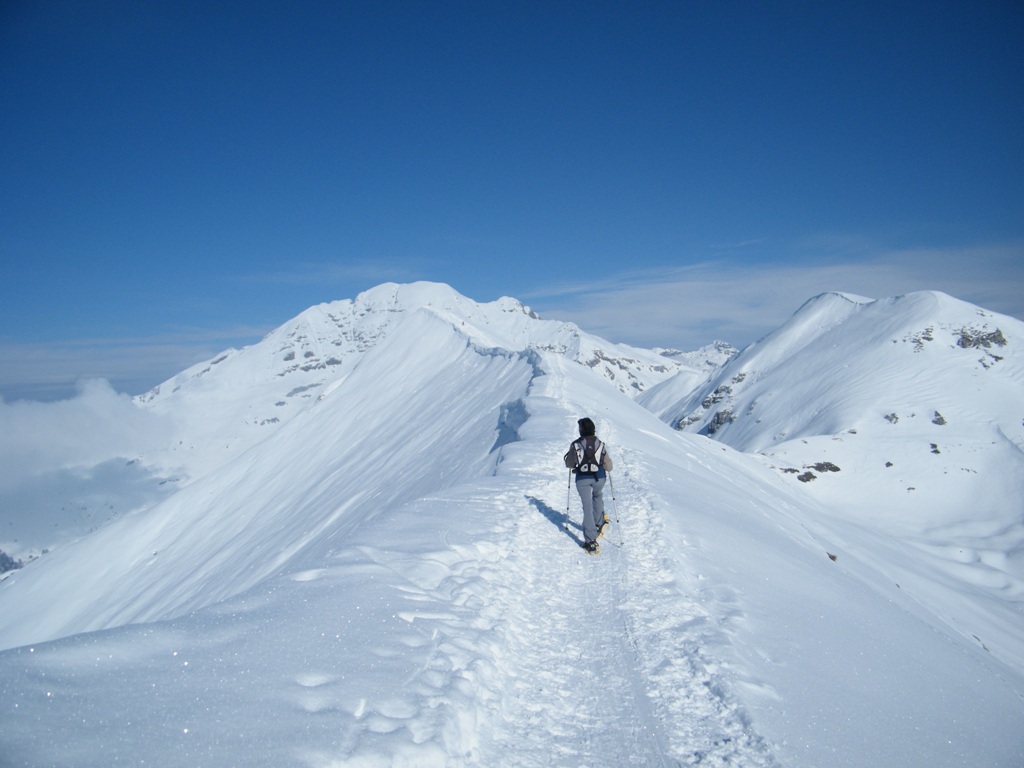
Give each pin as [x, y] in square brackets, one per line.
[296, 364]
[840, 359]
[441, 297]
[831, 298]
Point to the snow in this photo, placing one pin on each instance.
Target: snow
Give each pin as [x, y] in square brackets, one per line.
[919, 420]
[384, 576]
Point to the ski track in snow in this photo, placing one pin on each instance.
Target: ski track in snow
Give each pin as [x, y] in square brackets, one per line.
[601, 657]
[568, 668]
[566, 659]
[605, 656]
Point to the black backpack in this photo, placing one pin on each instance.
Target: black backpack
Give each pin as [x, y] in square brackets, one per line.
[585, 455]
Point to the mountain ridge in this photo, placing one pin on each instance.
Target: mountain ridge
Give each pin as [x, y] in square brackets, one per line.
[870, 329]
[292, 365]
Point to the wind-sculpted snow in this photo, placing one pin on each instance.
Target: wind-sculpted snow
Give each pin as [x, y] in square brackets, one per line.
[307, 357]
[365, 447]
[392, 576]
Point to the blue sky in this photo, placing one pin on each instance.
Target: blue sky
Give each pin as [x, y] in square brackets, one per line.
[181, 177]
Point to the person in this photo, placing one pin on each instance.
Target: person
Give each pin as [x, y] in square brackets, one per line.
[589, 460]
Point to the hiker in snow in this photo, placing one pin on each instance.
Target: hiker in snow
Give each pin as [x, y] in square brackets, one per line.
[589, 459]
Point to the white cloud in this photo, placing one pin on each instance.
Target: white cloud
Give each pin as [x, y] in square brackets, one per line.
[739, 302]
[96, 425]
[732, 298]
[48, 371]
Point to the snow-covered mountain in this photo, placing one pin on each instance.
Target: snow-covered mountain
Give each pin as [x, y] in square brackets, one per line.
[308, 357]
[844, 362]
[205, 416]
[919, 395]
[905, 417]
[370, 553]
[345, 389]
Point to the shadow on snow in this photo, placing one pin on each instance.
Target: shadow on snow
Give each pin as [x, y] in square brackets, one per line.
[559, 519]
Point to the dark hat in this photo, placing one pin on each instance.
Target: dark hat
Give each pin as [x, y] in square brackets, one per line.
[587, 427]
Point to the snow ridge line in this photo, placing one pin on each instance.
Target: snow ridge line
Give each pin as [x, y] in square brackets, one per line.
[637, 638]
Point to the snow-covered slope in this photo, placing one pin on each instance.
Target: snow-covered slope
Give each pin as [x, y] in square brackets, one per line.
[905, 416]
[238, 398]
[361, 388]
[391, 576]
[695, 369]
[844, 362]
[203, 418]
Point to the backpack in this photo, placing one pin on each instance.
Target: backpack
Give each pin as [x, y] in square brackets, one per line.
[585, 455]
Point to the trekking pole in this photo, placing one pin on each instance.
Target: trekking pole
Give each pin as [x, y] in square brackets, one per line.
[615, 509]
[568, 497]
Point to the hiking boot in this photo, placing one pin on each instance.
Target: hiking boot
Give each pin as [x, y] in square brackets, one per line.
[592, 548]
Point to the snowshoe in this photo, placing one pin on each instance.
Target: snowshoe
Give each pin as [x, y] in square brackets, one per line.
[591, 548]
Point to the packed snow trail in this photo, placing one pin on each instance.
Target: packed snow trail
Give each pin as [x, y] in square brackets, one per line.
[604, 654]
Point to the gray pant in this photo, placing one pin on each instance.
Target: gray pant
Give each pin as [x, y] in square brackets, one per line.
[591, 491]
